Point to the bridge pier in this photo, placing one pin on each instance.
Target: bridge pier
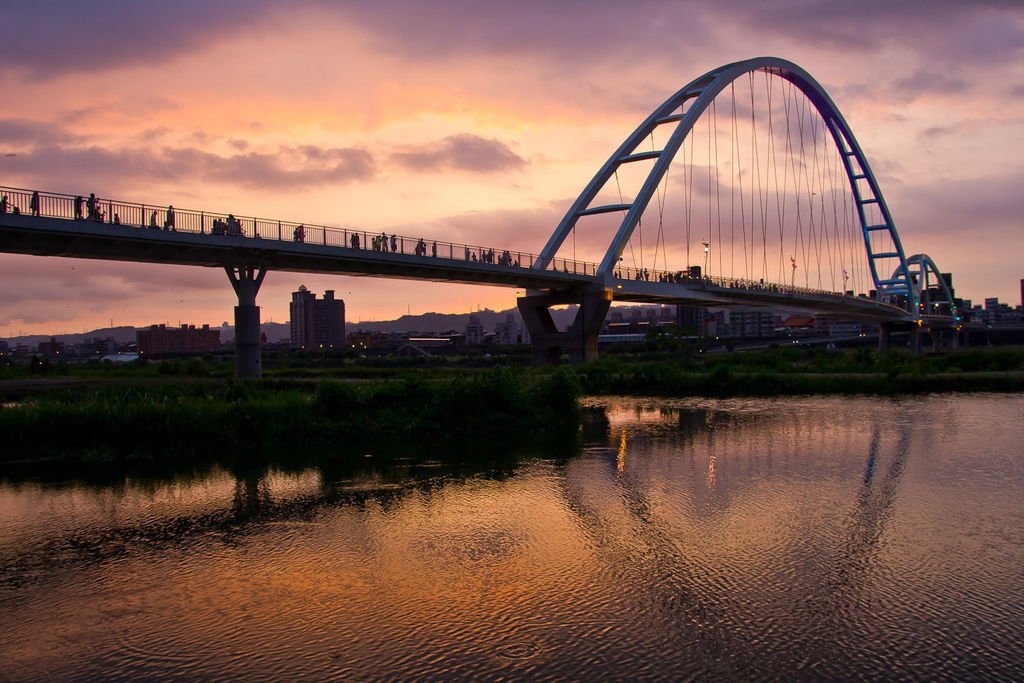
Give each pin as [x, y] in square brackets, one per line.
[580, 340]
[246, 281]
[884, 336]
[915, 340]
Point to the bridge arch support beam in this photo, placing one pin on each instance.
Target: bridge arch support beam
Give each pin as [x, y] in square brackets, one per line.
[246, 281]
[580, 339]
[684, 109]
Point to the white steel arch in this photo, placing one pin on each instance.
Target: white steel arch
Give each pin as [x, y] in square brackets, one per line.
[925, 277]
[684, 108]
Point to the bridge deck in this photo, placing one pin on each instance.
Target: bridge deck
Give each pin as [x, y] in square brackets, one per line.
[86, 239]
[276, 245]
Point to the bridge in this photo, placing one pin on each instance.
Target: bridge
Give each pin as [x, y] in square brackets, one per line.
[827, 209]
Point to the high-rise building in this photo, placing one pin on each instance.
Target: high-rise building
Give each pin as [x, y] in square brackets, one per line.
[317, 324]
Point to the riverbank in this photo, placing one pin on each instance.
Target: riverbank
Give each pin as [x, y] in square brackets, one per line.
[283, 420]
[181, 418]
[795, 371]
[661, 379]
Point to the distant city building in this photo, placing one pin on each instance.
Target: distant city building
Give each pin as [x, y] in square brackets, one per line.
[474, 331]
[317, 323]
[996, 314]
[51, 348]
[507, 332]
[160, 340]
[751, 323]
[689, 317]
[95, 348]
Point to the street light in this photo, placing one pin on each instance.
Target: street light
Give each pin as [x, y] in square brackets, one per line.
[707, 248]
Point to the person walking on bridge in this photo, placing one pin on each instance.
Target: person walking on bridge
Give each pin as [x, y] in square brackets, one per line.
[33, 203]
[169, 223]
[3, 204]
[78, 207]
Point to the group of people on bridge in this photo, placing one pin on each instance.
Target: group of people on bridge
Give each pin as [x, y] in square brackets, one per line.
[682, 277]
[33, 205]
[488, 256]
[92, 208]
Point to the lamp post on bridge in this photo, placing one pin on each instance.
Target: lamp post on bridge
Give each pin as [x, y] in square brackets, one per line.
[792, 280]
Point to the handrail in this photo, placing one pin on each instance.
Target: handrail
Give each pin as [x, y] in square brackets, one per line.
[137, 216]
[132, 215]
[684, 278]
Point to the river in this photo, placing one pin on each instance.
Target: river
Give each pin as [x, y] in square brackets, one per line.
[744, 539]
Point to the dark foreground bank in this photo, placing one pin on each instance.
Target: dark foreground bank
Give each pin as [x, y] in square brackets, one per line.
[284, 420]
[795, 371]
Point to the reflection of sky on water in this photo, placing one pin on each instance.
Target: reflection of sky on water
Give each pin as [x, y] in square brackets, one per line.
[835, 537]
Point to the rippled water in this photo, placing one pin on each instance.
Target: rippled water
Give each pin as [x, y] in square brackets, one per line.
[819, 538]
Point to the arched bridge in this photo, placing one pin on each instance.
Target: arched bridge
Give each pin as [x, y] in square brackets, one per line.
[748, 181]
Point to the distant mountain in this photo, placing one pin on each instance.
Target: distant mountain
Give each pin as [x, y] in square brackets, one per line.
[275, 332]
[126, 335]
[438, 323]
[122, 335]
[426, 323]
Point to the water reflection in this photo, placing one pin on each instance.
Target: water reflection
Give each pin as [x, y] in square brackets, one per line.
[806, 538]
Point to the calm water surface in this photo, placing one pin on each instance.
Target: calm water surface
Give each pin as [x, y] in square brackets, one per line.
[818, 538]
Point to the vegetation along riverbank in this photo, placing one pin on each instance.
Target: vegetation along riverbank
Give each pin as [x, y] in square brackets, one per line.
[195, 414]
[284, 420]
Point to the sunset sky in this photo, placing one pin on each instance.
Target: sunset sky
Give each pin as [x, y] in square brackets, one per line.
[466, 121]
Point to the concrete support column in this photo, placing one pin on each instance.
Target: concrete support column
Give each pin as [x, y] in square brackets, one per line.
[915, 340]
[246, 281]
[884, 336]
[580, 340]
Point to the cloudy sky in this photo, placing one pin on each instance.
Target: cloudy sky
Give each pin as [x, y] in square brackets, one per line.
[468, 121]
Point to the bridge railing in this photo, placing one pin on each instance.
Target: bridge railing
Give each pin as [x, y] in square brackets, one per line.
[131, 215]
[683, 277]
[136, 216]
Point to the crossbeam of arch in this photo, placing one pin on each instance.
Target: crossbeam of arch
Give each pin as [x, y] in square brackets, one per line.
[685, 108]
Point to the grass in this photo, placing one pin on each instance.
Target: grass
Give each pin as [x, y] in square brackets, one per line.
[784, 371]
[195, 421]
